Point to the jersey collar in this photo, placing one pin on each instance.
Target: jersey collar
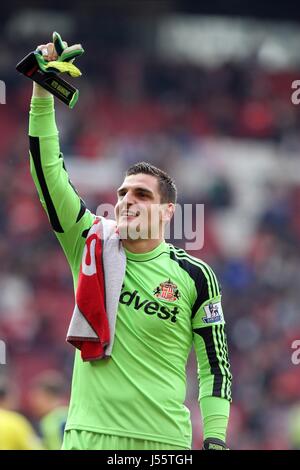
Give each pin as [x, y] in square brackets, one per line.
[148, 255]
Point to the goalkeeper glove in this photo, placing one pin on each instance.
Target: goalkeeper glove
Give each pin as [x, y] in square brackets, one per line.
[66, 57]
[214, 444]
[38, 69]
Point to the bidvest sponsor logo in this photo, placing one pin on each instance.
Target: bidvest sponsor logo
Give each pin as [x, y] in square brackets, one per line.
[150, 307]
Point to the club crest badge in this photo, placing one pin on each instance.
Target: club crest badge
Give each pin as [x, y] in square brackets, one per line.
[167, 291]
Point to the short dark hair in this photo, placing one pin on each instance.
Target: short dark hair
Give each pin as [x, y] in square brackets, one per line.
[167, 188]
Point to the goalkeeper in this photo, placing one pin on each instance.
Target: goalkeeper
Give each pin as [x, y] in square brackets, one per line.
[169, 302]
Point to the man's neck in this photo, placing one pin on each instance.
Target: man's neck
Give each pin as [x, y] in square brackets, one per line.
[141, 246]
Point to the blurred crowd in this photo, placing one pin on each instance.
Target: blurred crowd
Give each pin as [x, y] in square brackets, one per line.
[145, 109]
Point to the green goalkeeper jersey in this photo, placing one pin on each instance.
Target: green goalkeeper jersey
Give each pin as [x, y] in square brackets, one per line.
[169, 301]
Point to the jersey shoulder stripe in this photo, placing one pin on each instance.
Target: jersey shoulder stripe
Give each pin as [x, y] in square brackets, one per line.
[212, 280]
[205, 279]
[202, 275]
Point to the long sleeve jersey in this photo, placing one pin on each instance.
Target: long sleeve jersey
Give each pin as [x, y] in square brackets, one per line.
[169, 302]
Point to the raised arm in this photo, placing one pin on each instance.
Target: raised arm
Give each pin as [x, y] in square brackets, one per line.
[66, 211]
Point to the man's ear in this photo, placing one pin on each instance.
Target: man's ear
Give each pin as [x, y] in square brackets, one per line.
[168, 210]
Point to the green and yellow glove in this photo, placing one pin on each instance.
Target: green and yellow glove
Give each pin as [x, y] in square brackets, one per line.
[66, 56]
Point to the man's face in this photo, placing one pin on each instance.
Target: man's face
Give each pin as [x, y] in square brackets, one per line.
[139, 212]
